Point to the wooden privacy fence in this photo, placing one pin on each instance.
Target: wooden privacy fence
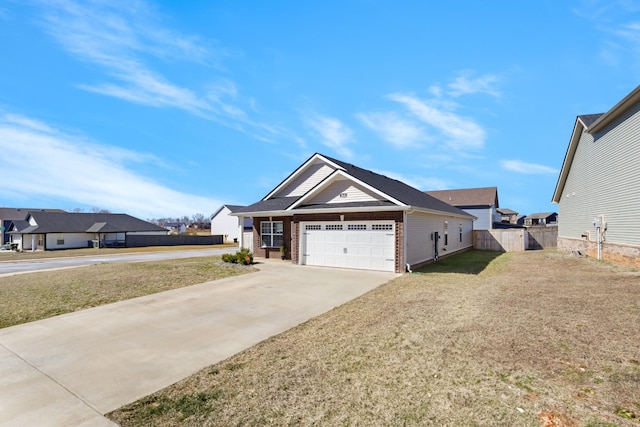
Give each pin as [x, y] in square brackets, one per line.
[543, 237]
[512, 240]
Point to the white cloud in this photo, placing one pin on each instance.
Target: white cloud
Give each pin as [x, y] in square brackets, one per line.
[334, 134]
[55, 165]
[398, 131]
[123, 38]
[465, 83]
[461, 133]
[527, 168]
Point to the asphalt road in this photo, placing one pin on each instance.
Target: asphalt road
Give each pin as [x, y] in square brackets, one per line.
[8, 268]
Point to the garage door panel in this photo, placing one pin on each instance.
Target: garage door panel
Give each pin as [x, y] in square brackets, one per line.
[363, 245]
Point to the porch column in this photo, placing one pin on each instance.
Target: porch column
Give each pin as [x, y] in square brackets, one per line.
[240, 232]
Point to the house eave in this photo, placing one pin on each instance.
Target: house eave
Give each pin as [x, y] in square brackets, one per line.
[568, 159]
[629, 101]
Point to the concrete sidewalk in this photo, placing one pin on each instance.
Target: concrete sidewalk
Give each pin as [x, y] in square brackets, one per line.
[71, 369]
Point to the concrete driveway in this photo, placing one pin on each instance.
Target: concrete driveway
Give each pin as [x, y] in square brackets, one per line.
[71, 369]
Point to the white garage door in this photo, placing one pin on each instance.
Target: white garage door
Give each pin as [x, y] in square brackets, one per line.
[368, 245]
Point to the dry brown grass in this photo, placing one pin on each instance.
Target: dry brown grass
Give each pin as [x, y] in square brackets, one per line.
[519, 339]
[29, 255]
[28, 297]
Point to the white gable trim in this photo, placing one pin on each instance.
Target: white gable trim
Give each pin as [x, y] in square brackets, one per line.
[568, 159]
[299, 171]
[331, 178]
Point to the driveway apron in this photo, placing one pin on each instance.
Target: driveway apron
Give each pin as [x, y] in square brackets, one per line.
[69, 370]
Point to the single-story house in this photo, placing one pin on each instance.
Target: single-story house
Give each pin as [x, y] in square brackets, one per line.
[599, 183]
[331, 213]
[7, 215]
[64, 230]
[479, 202]
[541, 219]
[222, 223]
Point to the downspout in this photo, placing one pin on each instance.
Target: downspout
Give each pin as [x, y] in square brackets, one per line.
[405, 248]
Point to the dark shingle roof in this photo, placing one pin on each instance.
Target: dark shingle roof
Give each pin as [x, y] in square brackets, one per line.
[589, 119]
[541, 215]
[234, 208]
[394, 188]
[468, 197]
[65, 222]
[275, 204]
[397, 189]
[21, 213]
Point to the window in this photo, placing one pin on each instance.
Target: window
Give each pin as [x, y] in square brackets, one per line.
[382, 227]
[60, 239]
[460, 230]
[313, 227]
[334, 227]
[446, 233]
[357, 227]
[271, 234]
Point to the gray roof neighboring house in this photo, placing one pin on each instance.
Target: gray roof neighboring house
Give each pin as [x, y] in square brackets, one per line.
[541, 215]
[21, 213]
[397, 190]
[65, 222]
[468, 197]
[506, 211]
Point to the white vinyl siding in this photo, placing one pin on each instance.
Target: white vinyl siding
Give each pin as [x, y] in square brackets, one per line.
[604, 179]
[344, 191]
[306, 180]
[485, 217]
[419, 236]
[69, 240]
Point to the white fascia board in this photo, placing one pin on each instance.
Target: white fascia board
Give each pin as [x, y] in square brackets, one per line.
[261, 213]
[445, 214]
[568, 159]
[298, 171]
[339, 209]
[328, 180]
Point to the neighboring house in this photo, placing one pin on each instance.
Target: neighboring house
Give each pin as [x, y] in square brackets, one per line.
[541, 219]
[222, 223]
[599, 183]
[8, 215]
[63, 230]
[507, 216]
[331, 213]
[479, 202]
[176, 227]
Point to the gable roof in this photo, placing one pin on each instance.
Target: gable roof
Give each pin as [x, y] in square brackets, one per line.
[541, 215]
[506, 211]
[396, 194]
[468, 197]
[232, 209]
[65, 222]
[21, 213]
[592, 123]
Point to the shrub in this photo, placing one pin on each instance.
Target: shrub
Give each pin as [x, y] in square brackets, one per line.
[229, 258]
[243, 256]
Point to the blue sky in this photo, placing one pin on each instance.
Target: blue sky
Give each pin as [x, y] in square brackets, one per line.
[173, 108]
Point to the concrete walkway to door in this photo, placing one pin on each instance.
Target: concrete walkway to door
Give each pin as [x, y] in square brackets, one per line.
[69, 370]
